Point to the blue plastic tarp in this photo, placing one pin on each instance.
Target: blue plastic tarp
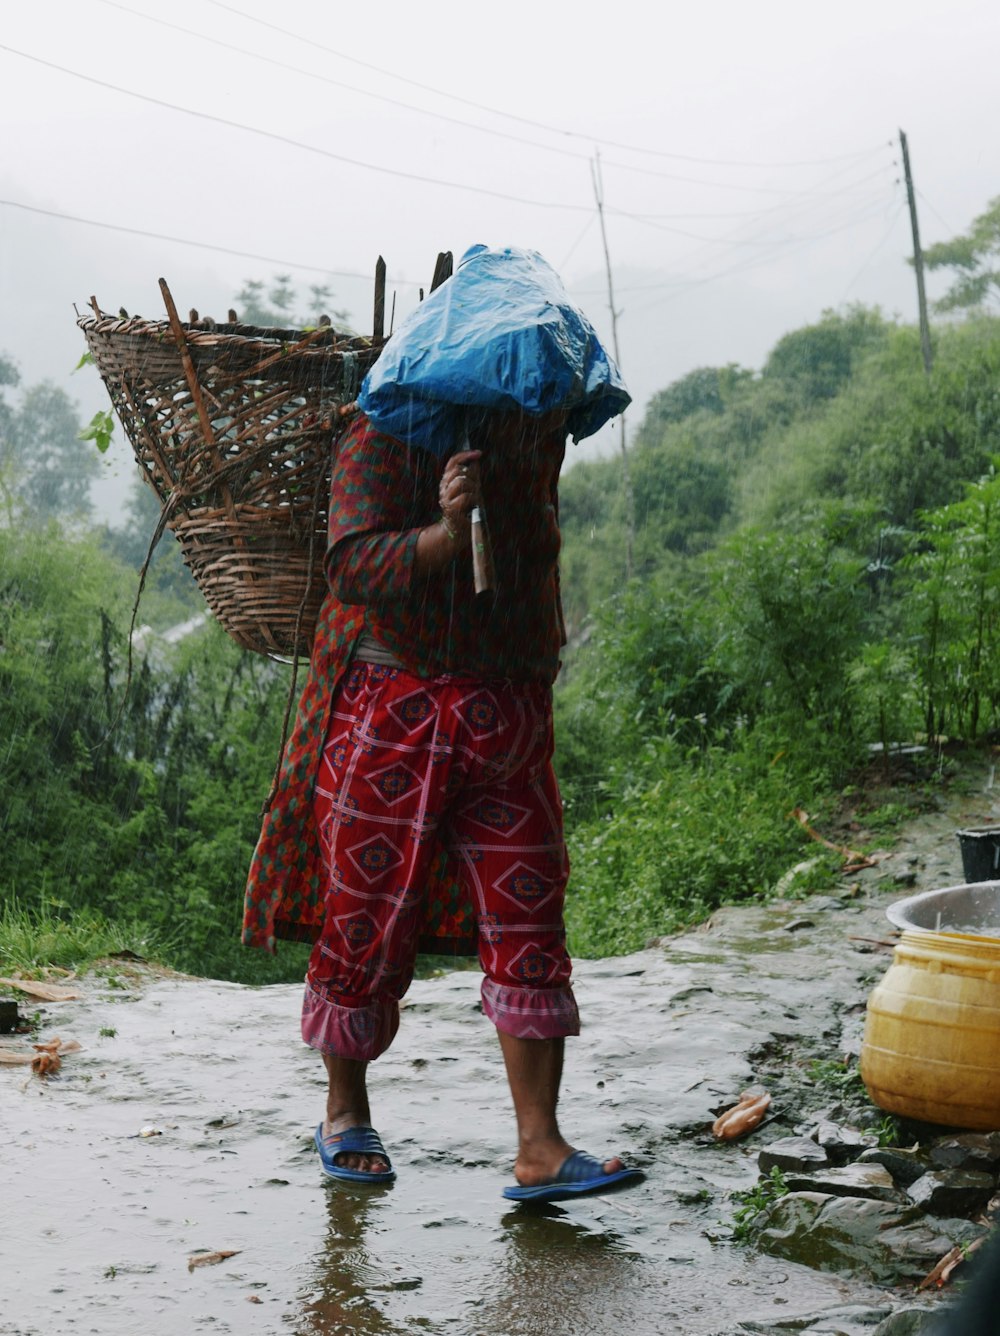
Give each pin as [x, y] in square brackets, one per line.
[500, 334]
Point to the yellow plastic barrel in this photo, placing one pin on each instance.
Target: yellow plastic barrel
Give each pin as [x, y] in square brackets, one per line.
[931, 1048]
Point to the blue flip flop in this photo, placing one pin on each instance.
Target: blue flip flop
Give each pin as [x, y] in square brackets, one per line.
[354, 1141]
[579, 1174]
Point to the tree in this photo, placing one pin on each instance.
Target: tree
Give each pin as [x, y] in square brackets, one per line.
[130, 540]
[8, 377]
[277, 306]
[819, 359]
[708, 388]
[55, 466]
[43, 462]
[975, 256]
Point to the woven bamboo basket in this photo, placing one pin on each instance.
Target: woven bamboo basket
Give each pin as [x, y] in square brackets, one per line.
[234, 426]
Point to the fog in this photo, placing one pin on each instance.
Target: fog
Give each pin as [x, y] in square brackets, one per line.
[748, 156]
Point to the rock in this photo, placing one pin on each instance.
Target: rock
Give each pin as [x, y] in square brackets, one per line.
[686, 994]
[905, 1165]
[906, 1322]
[952, 1191]
[970, 1150]
[840, 1143]
[840, 1318]
[792, 1153]
[851, 1235]
[871, 1181]
[817, 903]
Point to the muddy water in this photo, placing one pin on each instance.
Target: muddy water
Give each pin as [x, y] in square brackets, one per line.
[99, 1222]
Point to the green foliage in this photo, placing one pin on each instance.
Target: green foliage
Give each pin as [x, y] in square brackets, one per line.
[699, 828]
[888, 1132]
[883, 681]
[975, 256]
[752, 1203]
[817, 570]
[100, 429]
[819, 359]
[45, 469]
[52, 467]
[840, 1078]
[156, 818]
[953, 611]
[170, 594]
[792, 601]
[710, 389]
[33, 939]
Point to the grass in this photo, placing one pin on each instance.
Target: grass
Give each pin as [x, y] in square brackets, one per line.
[33, 940]
[751, 1203]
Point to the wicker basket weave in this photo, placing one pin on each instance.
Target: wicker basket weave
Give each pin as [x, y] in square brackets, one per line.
[234, 427]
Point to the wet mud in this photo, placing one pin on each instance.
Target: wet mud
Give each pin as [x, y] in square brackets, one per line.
[184, 1128]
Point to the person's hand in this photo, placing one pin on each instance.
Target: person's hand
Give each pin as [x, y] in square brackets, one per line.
[458, 493]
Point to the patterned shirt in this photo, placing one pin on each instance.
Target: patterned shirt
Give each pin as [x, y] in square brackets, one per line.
[382, 494]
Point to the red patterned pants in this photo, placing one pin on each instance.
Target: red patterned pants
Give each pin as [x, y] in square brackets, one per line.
[408, 764]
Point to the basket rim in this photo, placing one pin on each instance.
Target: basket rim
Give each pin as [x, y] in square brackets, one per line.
[207, 331]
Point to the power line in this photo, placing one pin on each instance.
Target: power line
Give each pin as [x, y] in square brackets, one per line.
[339, 83]
[296, 143]
[200, 245]
[711, 241]
[464, 124]
[677, 287]
[681, 286]
[803, 203]
[512, 116]
[924, 200]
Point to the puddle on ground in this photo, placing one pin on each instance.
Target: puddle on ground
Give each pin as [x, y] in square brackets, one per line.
[102, 1221]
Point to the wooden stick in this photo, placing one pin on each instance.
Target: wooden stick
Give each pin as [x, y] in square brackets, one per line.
[319, 332]
[483, 574]
[378, 327]
[191, 376]
[443, 269]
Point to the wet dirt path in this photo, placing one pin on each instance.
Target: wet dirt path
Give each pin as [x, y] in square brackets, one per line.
[100, 1222]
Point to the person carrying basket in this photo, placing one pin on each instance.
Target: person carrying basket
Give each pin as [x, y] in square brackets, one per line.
[417, 805]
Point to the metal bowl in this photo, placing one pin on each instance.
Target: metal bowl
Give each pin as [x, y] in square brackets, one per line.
[972, 910]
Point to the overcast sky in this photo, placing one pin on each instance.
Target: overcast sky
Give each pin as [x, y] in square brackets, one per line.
[749, 158]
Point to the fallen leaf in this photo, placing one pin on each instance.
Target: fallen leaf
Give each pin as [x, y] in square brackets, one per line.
[45, 992]
[254, 1299]
[10, 1058]
[211, 1258]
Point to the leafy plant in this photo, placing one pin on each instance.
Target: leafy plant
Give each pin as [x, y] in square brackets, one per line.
[100, 429]
[753, 1202]
[843, 1078]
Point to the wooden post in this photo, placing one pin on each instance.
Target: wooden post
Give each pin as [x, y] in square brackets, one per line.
[442, 269]
[378, 324]
[918, 258]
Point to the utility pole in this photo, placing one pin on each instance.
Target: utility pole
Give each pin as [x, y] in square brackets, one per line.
[595, 173]
[918, 258]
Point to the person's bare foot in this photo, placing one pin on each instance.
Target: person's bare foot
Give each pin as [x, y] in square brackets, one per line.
[360, 1163]
[347, 1107]
[540, 1163]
